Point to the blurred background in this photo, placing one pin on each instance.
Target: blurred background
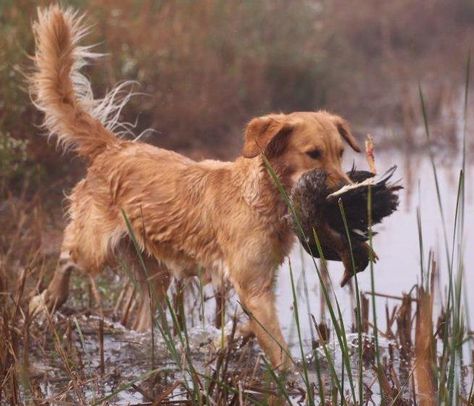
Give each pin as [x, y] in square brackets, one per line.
[205, 68]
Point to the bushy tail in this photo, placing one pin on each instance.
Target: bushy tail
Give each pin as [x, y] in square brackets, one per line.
[59, 89]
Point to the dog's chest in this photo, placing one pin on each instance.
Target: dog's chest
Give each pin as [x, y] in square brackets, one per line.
[283, 239]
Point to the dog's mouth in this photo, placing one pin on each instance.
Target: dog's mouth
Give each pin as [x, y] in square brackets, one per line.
[334, 183]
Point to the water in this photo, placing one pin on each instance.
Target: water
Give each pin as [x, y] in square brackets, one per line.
[396, 244]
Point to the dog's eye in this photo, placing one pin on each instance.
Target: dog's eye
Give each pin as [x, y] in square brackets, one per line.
[314, 153]
[341, 153]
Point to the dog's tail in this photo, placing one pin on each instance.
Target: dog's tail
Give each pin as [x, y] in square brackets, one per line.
[79, 121]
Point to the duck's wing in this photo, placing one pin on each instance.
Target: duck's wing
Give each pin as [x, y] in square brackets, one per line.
[355, 200]
[368, 179]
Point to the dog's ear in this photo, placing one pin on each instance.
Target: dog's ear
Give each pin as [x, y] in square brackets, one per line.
[345, 131]
[265, 135]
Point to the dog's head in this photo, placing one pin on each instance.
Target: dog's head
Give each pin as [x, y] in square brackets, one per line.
[300, 142]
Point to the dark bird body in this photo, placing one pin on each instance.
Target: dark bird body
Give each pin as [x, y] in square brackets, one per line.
[319, 214]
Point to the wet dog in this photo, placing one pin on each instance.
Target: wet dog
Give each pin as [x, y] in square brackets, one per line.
[225, 217]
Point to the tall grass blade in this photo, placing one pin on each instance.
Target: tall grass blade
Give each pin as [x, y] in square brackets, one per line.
[372, 287]
[358, 305]
[447, 348]
[309, 390]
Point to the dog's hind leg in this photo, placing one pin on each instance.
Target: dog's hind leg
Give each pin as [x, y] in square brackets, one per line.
[54, 296]
[220, 294]
[84, 248]
[151, 285]
[152, 292]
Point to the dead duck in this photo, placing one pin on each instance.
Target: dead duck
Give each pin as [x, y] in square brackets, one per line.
[317, 208]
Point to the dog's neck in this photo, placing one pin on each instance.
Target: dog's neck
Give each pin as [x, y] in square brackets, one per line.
[260, 191]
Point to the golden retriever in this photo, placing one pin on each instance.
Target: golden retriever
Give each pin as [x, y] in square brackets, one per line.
[225, 217]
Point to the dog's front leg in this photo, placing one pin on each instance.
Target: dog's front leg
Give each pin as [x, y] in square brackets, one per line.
[260, 305]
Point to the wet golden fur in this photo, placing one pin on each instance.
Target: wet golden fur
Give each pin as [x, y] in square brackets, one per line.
[226, 217]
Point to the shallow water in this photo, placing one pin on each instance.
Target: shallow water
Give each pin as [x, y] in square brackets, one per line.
[396, 244]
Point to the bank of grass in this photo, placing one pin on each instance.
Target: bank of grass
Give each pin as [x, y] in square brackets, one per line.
[421, 357]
